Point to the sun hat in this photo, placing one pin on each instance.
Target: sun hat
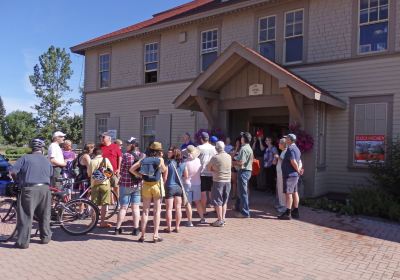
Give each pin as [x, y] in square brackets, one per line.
[291, 136]
[192, 150]
[156, 146]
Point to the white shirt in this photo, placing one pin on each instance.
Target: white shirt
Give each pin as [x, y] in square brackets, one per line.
[207, 151]
[55, 152]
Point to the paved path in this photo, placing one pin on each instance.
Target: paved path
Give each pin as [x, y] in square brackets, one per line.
[319, 246]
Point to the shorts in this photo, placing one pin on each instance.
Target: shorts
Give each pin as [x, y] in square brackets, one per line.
[56, 175]
[193, 192]
[101, 195]
[173, 191]
[220, 193]
[206, 183]
[290, 184]
[152, 190]
[129, 195]
[114, 181]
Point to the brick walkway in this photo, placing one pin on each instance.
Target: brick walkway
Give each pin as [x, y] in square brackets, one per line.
[319, 246]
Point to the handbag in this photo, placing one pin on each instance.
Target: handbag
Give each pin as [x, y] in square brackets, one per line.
[184, 195]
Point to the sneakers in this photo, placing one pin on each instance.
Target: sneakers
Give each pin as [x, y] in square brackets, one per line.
[117, 231]
[295, 213]
[45, 241]
[135, 231]
[203, 221]
[240, 215]
[189, 224]
[285, 216]
[218, 223]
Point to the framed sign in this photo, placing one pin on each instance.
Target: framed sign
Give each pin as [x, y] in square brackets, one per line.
[256, 89]
[369, 148]
[113, 134]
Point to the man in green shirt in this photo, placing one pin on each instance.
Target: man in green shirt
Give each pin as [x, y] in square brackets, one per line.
[244, 160]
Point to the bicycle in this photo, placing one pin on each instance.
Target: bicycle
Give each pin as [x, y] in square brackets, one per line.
[75, 217]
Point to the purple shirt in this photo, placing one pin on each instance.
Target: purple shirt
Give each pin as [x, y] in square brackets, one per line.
[69, 155]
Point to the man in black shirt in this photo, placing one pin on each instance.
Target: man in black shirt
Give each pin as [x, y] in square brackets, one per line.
[33, 173]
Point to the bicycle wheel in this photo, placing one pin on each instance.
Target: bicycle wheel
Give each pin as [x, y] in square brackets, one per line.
[79, 216]
[8, 220]
[112, 209]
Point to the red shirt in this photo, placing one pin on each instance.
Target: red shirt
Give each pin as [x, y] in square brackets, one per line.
[113, 153]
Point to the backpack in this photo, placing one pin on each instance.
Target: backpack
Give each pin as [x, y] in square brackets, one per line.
[149, 169]
[102, 173]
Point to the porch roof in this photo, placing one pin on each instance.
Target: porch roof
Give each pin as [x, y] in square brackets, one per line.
[231, 61]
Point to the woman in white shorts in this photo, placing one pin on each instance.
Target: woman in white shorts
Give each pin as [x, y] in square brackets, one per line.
[193, 184]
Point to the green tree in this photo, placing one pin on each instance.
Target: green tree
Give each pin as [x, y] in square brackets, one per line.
[19, 128]
[50, 81]
[2, 118]
[72, 126]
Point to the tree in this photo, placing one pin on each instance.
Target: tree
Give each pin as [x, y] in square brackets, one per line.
[19, 128]
[50, 81]
[2, 118]
[72, 126]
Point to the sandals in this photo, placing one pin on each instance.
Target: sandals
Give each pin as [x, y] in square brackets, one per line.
[141, 239]
[176, 230]
[166, 230]
[106, 225]
[157, 239]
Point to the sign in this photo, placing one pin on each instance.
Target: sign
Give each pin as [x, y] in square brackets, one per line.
[113, 134]
[256, 89]
[369, 148]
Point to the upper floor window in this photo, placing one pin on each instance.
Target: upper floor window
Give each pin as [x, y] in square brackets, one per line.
[209, 48]
[294, 25]
[151, 63]
[267, 37]
[104, 69]
[373, 24]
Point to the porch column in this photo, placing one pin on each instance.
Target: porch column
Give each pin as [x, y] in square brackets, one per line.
[295, 104]
[209, 104]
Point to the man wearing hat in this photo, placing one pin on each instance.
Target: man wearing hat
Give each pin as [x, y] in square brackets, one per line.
[56, 157]
[244, 160]
[291, 171]
[207, 151]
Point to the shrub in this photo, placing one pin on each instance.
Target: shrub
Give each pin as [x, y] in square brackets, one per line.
[18, 151]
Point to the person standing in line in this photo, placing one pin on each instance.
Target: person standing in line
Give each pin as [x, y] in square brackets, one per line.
[173, 190]
[220, 165]
[129, 188]
[233, 153]
[113, 153]
[270, 161]
[279, 179]
[83, 163]
[154, 174]
[193, 185]
[291, 171]
[228, 146]
[244, 160]
[56, 157]
[186, 141]
[258, 149]
[33, 173]
[207, 151]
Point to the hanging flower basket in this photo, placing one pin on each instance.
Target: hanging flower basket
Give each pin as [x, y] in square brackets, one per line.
[304, 141]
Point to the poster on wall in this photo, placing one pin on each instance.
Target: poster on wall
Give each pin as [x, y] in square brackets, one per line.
[113, 134]
[369, 148]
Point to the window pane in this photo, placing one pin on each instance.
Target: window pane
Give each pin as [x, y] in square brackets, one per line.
[298, 29]
[363, 4]
[268, 50]
[383, 13]
[263, 23]
[299, 16]
[373, 14]
[150, 77]
[151, 66]
[373, 3]
[208, 59]
[271, 21]
[271, 34]
[289, 18]
[104, 79]
[215, 35]
[383, 2]
[263, 35]
[373, 37]
[364, 16]
[294, 49]
[289, 30]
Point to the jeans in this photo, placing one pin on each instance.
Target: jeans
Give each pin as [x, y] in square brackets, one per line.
[242, 202]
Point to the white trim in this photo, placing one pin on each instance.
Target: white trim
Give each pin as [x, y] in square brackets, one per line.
[259, 29]
[359, 25]
[293, 36]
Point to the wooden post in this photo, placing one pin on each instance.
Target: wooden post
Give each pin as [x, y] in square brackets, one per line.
[295, 104]
[206, 109]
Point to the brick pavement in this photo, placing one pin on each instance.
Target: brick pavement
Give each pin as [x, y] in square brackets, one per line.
[319, 246]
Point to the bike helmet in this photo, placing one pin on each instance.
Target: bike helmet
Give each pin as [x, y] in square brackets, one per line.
[37, 144]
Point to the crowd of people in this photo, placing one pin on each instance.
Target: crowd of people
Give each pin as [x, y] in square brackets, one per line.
[208, 174]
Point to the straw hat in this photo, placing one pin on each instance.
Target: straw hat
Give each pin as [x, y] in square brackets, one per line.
[156, 146]
[192, 150]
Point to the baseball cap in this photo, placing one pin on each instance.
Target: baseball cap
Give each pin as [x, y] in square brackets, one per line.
[58, 134]
[106, 134]
[246, 135]
[205, 136]
[291, 136]
[214, 139]
[131, 140]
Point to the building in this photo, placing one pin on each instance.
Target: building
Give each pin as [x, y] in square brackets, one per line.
[331, 66]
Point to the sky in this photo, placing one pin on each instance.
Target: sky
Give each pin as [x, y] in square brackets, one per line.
[28, 28]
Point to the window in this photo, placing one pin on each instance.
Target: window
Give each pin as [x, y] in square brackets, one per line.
[101, 125]
[371, 128]
[294, 24]
[267, 37]
[151, 63]
[209, 48]
[148, 127]
[373, 26]
[104, 67]
[321, 134]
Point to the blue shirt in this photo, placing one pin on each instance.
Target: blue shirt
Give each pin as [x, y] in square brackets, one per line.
[172, 180]
[184, 145]
[292, 153]
[33, 169]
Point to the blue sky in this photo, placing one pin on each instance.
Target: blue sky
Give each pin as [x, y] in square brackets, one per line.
[28, 28]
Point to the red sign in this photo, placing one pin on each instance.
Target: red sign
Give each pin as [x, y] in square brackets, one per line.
[369, 148]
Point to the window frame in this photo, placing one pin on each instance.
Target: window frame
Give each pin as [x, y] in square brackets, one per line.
[98, 117]
[294, 36]
[363, 100]
[212, 50]
[259, 42]
[156, 61]
[371, 23]
[101, 71]
[143, 115]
